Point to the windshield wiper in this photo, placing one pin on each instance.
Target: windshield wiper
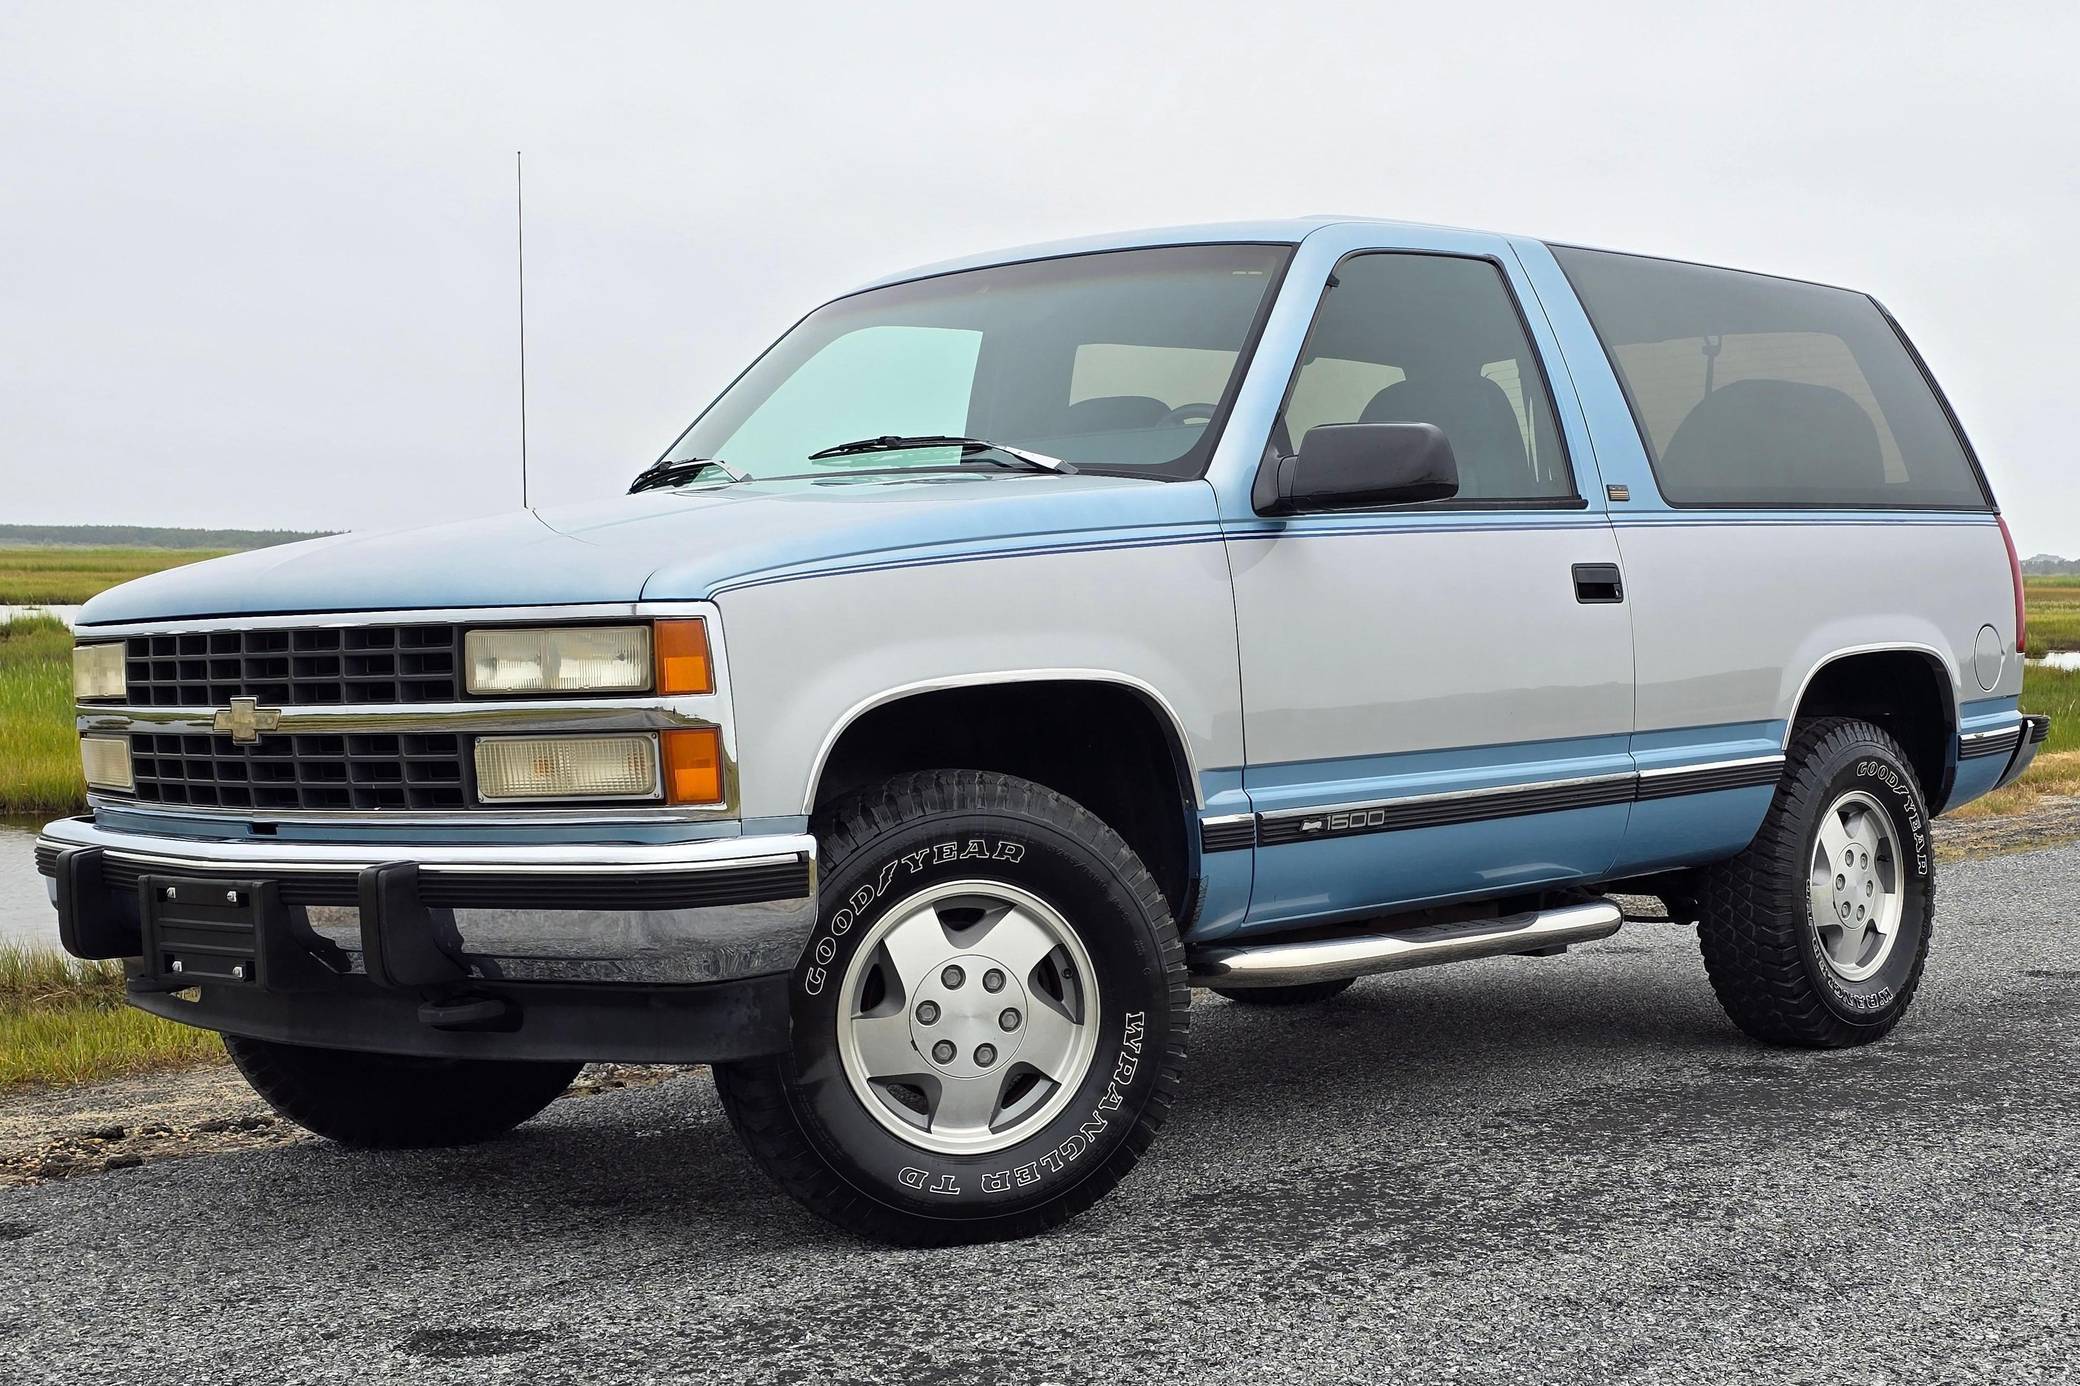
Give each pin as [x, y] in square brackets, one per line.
[895, 442]
[675, 470]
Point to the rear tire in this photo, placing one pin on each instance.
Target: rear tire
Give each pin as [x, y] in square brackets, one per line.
[1303, 994]
[1816, 935]
[989, 1022]
[393, 1102]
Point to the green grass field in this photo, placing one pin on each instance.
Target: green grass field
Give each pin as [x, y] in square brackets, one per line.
[36, 575]
[39, 752]
[64, 1022]
[2053, 607]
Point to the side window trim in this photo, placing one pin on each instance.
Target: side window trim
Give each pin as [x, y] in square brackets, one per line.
[1573, 500]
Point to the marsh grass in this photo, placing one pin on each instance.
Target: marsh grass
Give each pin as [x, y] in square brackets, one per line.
[36, 575]
[39, 750]
[2053, 605]
[64, 1021]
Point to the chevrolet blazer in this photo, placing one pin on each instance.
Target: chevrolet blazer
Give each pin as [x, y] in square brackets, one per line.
[1021, 642]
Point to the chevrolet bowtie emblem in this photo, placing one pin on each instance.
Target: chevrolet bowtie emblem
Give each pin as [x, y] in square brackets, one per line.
[245, 719]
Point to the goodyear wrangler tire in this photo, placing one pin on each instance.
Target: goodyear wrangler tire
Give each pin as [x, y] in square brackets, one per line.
[989, 1023]
[393, 1102]
[1816, 934]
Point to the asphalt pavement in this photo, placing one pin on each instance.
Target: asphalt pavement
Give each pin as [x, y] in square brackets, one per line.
[1517, 1170]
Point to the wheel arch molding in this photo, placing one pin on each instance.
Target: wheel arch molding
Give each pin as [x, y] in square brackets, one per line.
[1107, 740]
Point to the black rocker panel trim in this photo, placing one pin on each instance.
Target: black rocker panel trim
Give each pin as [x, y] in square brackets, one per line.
[1318, 825]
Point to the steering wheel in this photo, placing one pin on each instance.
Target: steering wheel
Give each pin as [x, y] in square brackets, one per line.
[1184, 413]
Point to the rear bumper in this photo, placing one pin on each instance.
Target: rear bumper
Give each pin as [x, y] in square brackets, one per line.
[660, 952]
[2036, 730]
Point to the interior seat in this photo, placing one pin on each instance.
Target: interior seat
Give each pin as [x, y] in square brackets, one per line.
[1476, 418]
[1791, 439]
[1110, 413]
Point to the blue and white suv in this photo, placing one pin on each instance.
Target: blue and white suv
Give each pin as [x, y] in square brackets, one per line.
[1020, 641]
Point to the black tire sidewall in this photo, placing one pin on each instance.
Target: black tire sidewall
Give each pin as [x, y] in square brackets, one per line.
[1876, 769]
[1133, 1010]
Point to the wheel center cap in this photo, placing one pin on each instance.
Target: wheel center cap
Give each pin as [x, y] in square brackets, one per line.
[968, 1015]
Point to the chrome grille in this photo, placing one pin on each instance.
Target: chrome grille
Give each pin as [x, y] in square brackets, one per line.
[296, 667]
[302, 771]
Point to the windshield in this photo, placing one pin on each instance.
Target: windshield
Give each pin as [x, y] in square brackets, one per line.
[1114, 362]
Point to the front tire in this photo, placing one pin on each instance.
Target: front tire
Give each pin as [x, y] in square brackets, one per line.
[1816, 935]
[989, 1023]
[394, 1102]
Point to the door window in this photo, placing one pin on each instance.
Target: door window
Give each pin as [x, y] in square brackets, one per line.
[1436, 339]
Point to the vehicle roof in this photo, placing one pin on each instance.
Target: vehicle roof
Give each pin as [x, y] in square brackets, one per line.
[1280, 231]
[1283, 231]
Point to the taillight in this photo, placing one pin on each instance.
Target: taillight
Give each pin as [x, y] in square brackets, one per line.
[2015, 576]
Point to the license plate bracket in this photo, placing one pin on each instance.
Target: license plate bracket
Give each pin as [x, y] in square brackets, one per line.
[198, 931]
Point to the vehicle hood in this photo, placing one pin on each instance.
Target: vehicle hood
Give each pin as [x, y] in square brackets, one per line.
[665, 545]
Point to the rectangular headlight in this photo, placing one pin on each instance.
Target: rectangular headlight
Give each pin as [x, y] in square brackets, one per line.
[106, 761]
[559, 659]
[567, 767]
[97, 671]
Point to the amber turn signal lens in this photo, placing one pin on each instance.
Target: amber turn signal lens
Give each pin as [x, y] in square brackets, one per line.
[693, 766]
[682, 658]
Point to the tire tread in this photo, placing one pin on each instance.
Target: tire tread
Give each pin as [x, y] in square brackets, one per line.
[1751, 925]
[755, 1093]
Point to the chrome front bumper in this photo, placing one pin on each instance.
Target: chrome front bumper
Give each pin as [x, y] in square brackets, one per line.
[651, 914]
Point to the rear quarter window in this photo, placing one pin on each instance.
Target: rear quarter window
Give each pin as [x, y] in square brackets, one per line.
[1755, 391]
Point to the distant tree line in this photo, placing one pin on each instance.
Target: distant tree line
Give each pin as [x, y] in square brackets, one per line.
[2050, 565]
[152, 537]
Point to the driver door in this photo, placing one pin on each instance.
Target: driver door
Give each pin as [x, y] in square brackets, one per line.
[1437, 705]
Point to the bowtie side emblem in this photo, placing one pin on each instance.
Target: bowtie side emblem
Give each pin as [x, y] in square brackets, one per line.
[245, 719]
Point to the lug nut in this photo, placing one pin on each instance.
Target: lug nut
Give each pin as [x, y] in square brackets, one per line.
[1009, 1019]
[943, 1052]
[985, 1055]
[1841, 882]
[927, 1012]
[952, 978]
[993, 980]
[1849, 857]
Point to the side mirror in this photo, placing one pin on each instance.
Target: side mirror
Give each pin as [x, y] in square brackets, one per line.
[1359, 466]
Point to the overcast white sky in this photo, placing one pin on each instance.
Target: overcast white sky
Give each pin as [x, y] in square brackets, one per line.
[256, 261]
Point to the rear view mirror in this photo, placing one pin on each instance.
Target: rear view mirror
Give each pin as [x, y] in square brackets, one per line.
[1359, 466]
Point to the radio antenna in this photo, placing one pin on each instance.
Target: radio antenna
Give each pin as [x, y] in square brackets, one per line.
[520, 232]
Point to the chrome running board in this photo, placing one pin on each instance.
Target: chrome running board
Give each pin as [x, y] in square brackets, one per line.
[1275, 964]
